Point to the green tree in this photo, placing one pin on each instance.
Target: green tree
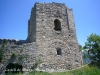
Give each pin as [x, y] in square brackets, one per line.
[2, 49]
[92, 46]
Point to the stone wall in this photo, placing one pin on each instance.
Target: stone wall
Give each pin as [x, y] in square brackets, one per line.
[51, 37]
[28, 50]
[32, 26]
[51, 62]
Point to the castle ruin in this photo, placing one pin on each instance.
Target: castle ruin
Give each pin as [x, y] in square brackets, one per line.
[51, 37]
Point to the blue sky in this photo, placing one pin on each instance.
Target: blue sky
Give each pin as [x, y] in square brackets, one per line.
[14, 15]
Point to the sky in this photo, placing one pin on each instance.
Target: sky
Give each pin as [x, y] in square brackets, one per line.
[14, 16]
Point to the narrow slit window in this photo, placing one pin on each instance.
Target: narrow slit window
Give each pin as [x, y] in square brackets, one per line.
[58, 51]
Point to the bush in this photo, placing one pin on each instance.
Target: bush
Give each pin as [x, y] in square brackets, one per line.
[14, 55]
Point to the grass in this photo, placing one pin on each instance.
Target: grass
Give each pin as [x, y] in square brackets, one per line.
[86, 70]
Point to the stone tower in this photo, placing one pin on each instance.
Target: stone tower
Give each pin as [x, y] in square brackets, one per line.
[52, 27]
[51, 37]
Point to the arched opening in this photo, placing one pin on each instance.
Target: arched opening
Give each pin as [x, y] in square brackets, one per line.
[13, 68]
[57, 25]
[58, 51]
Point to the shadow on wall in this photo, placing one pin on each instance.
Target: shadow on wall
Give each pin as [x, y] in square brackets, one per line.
[13, 68]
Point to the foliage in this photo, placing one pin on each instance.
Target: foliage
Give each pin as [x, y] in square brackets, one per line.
[13, 74]
[21, 57]
[13, 68]
[35, 65]
[92, 47]
[2, 48]
[86, 70]
[14, 55]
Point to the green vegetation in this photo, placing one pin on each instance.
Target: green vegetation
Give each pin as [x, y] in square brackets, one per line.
[86, 70]
[2, 49]
[92, 47]
[13, 74]
[21, 57]
[14, 55]
[35, 65]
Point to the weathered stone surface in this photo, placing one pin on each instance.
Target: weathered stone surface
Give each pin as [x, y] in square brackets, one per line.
[51, 37]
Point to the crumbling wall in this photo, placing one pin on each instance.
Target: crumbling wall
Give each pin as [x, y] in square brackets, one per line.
[51, 37]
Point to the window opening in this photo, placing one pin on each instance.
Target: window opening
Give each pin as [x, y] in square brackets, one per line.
[57, 25]
[58, 51]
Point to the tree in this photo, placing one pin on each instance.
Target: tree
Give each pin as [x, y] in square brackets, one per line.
[92, 46]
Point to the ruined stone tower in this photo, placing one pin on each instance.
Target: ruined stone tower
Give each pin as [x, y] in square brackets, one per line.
[52, 27]
[51, 37]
